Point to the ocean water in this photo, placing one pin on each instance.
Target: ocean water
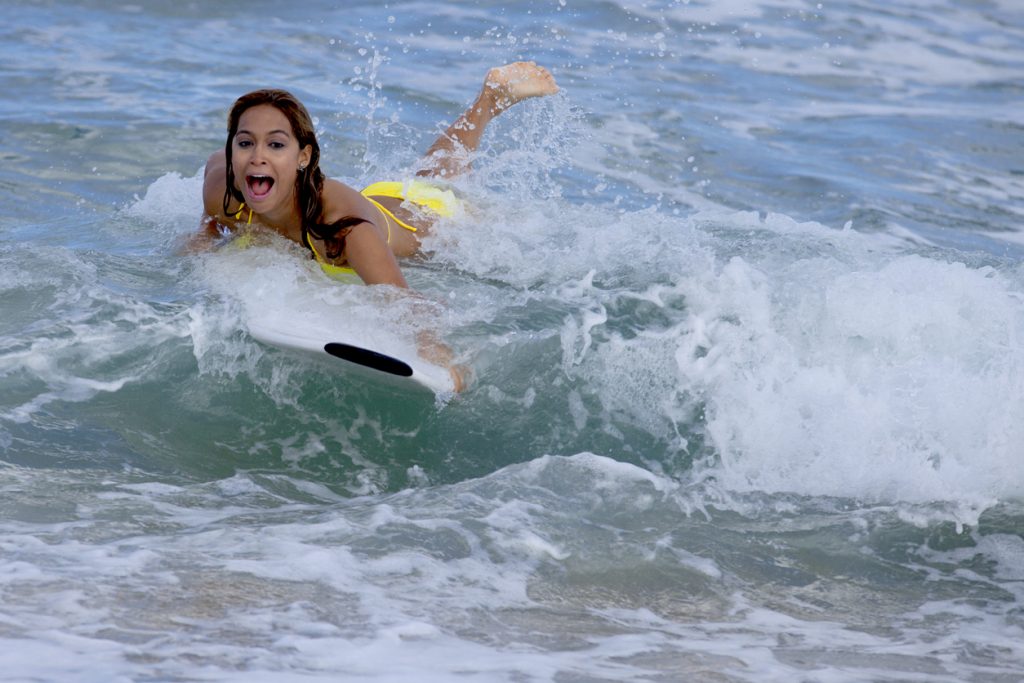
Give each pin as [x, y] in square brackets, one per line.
[744, 304]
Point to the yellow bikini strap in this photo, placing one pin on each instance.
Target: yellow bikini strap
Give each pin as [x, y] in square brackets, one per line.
[384, 214]
[238, 215]
[316, 254]
[329, 268]
[388, 217]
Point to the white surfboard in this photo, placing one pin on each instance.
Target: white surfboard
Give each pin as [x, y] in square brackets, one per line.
[287, 303]
[403, 369]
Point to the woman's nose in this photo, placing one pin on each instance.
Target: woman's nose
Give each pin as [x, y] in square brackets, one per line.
[258, 154]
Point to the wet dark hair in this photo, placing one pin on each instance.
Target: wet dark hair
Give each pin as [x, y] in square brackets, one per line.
[309, 184]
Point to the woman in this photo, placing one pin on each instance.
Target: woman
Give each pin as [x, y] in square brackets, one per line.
[269, 173]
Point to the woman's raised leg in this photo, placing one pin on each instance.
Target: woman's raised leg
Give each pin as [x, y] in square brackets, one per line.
[503, 87]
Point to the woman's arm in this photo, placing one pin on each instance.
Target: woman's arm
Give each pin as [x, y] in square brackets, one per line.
[209, 234]
[366, 249]
[211, 226]
[370, 256]
[368, 253]
[374, 262]
[213, 223]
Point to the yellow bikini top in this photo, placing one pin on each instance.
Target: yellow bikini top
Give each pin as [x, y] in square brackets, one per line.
[441, 202]
[342, 273]
[238, 216]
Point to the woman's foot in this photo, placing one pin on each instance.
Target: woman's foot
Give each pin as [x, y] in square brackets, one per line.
[515, 82]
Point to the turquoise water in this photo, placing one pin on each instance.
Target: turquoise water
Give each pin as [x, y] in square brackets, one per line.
[745, 308]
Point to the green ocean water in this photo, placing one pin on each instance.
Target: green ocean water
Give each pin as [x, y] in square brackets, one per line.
[743, 304]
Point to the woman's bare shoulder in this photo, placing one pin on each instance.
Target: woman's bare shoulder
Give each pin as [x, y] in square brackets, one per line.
[341, 201]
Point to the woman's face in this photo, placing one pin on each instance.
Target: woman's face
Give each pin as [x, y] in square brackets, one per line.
[265, 157]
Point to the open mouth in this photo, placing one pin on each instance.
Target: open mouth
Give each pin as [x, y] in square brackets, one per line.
[259, 185]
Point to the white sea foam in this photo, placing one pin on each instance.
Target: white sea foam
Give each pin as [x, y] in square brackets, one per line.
[825, 362]
[440, 579]
[828, 363]
[824, 380]
[172, 201]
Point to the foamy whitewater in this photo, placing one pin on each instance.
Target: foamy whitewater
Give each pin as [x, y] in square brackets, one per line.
[744, 304]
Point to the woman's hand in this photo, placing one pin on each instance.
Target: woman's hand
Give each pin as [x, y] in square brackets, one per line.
[461, 376]
[435, 351]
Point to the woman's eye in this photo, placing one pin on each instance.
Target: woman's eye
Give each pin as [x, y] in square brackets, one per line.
[277, 145]
[243, 143]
